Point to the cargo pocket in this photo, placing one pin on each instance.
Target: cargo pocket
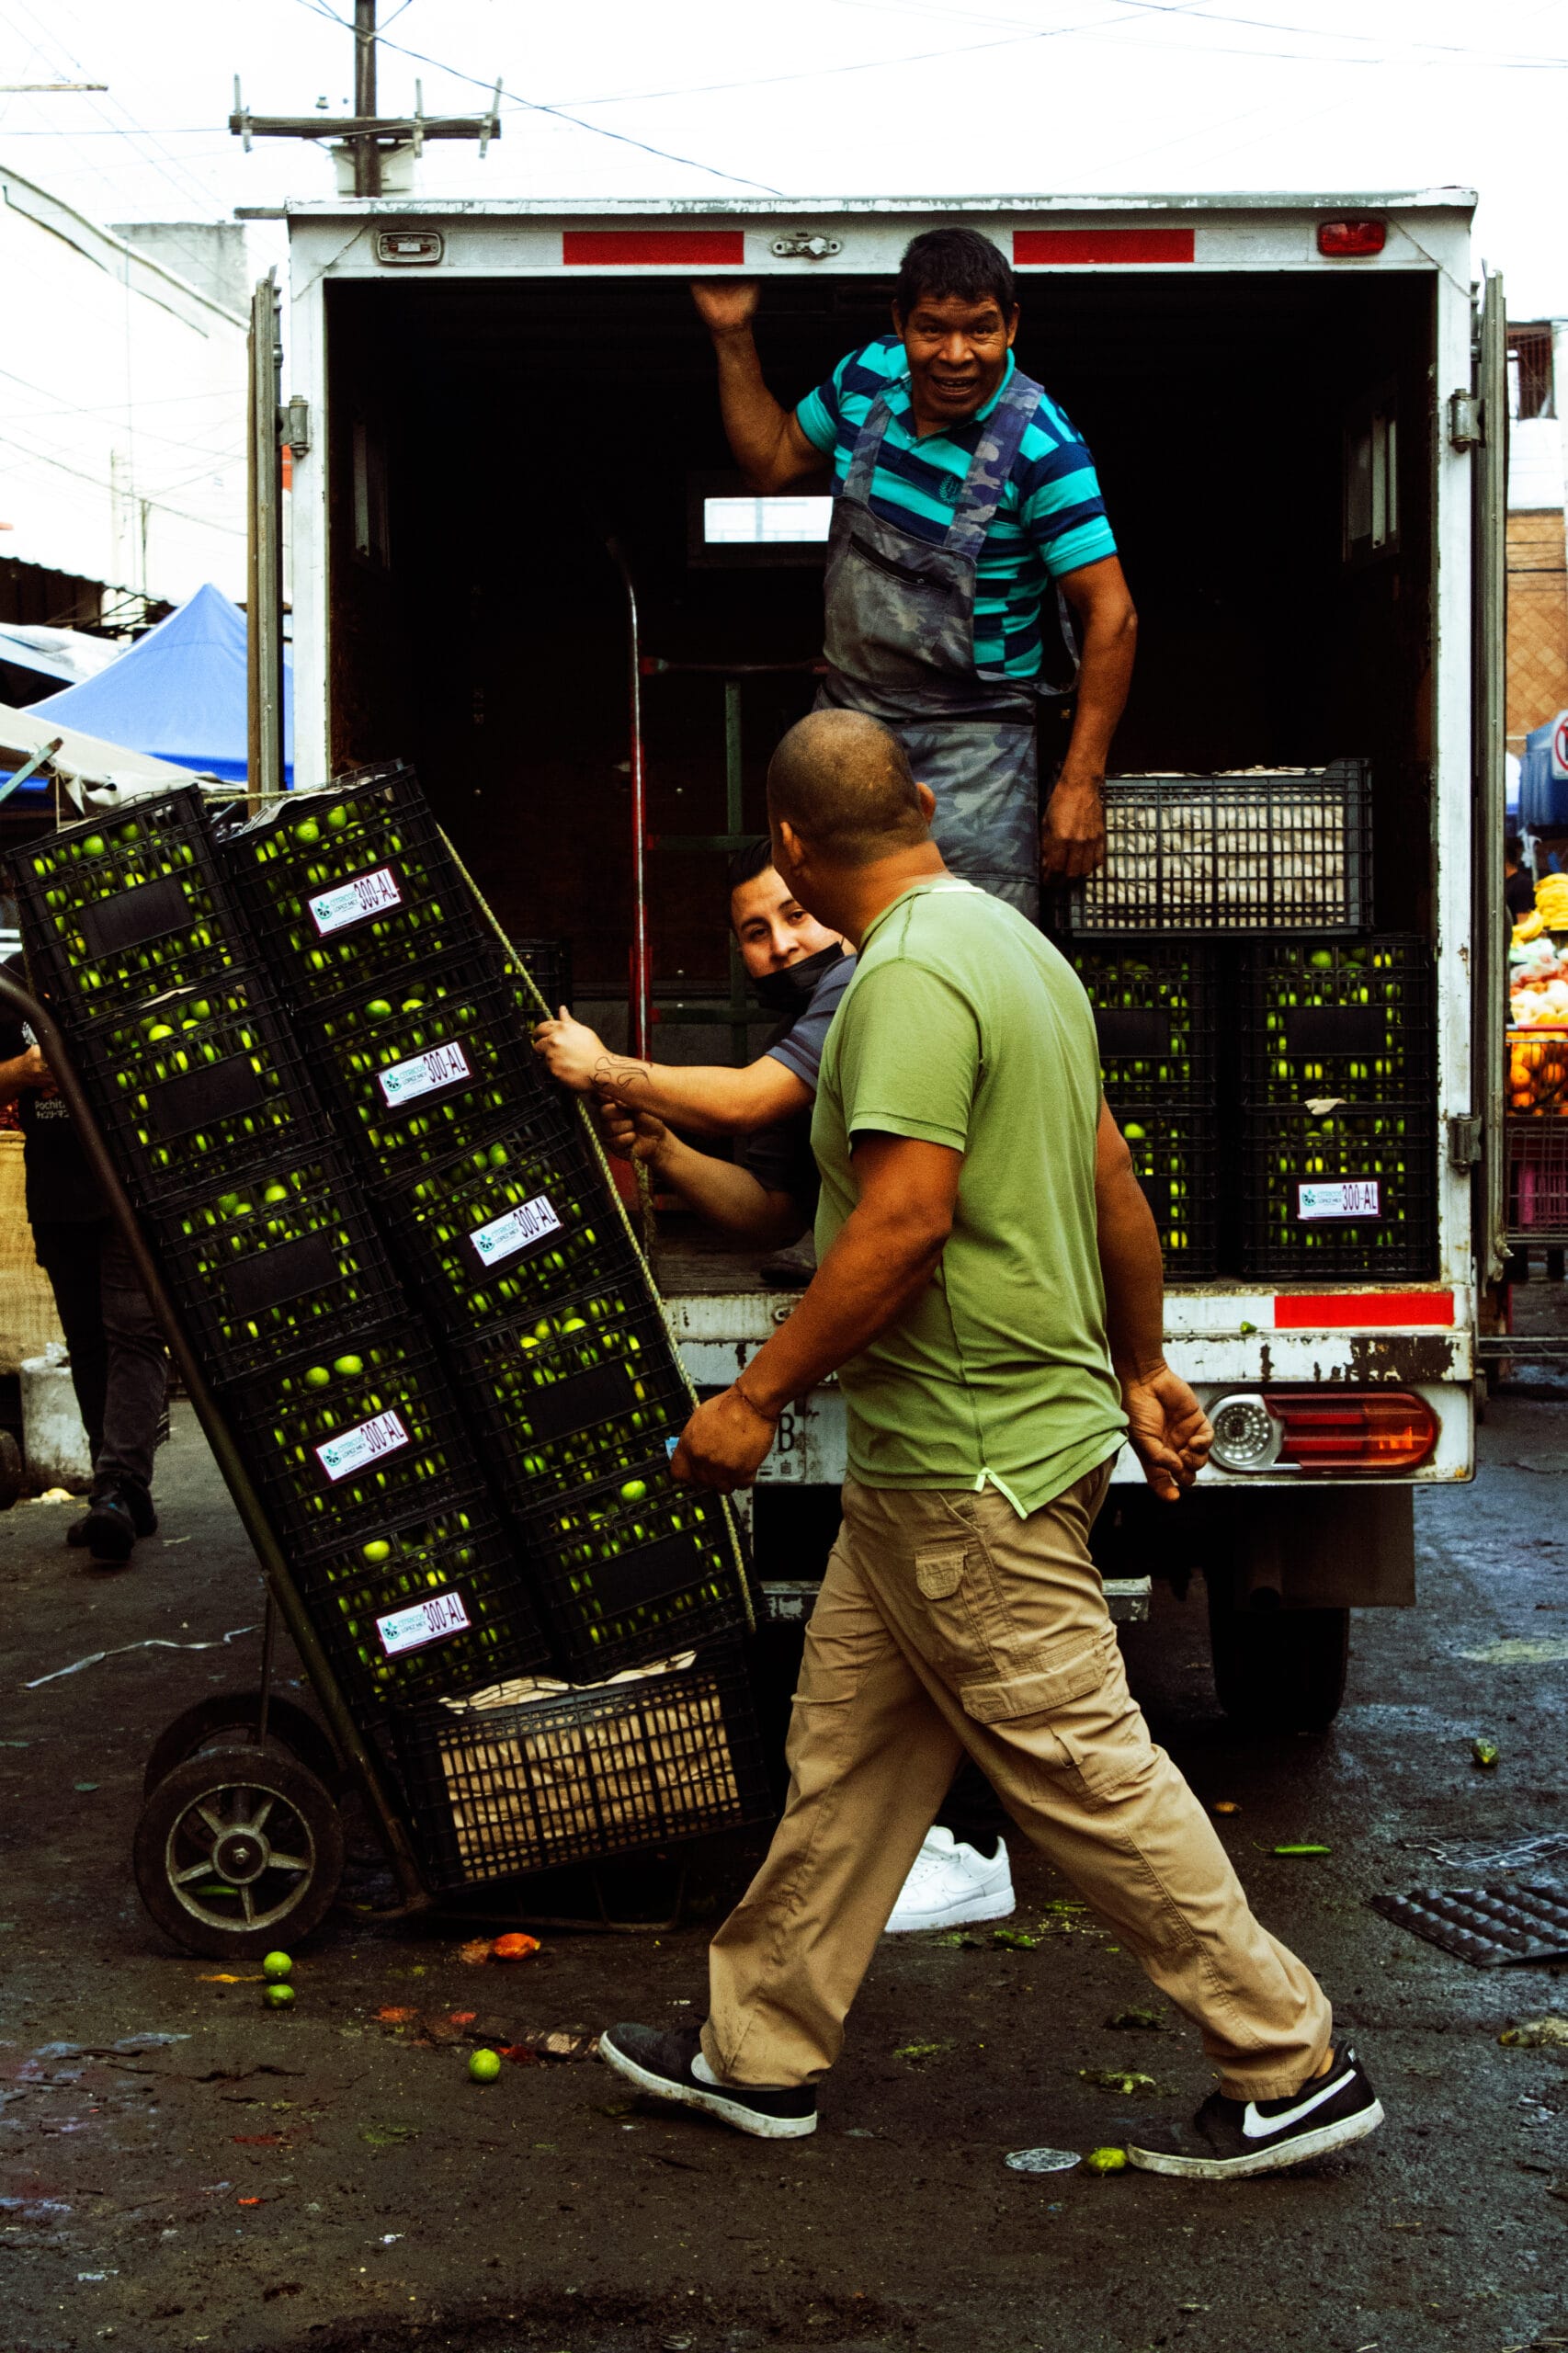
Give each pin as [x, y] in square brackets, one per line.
[938, 1571]
[942, 1578]
[1081, 1699]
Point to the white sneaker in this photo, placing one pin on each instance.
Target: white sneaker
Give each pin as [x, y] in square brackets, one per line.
[950, 1886]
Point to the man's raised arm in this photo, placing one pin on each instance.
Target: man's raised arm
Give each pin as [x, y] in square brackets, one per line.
[766, 439]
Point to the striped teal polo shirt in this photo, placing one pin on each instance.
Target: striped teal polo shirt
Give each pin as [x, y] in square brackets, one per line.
[1051, 519]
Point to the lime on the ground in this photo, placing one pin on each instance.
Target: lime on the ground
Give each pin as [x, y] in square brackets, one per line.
[278, 1997]
[277, 1965]
[483, 2066]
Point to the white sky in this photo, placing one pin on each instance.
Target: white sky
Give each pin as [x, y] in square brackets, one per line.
[829, 96]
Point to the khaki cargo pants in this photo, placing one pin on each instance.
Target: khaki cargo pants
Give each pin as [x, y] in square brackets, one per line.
[946, 1623]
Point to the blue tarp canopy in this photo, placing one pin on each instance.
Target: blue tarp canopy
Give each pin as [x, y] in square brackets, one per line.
[178, 693]
[1543, 797]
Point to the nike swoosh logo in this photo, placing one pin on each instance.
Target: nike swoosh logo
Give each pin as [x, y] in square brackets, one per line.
[1256, 2127]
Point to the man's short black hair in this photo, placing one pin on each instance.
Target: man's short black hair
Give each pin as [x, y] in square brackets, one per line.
[747, 864]
[942, 262]
[1514, 846]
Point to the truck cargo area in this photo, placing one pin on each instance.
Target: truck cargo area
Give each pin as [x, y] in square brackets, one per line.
[487, 435]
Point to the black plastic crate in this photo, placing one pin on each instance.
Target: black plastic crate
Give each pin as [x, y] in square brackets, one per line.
[1289, 851]
[633, 1568]
[264, 1263]
[424, 1607]
[352, 885]
[202, 1083]
[1176, 1158]
[1349, 1192]
[119, 908]
[548, 964]
[511, 1225]
[1351, 1020]
[363, 1432]
[527, 1783]
[588, 1391]
[443, 1060]
[1156, 1010]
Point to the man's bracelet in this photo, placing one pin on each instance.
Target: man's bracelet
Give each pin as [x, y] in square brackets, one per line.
[761, 1412]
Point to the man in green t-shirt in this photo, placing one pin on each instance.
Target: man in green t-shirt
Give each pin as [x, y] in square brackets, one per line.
[990, 1294]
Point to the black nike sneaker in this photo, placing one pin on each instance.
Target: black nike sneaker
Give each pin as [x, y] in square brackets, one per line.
[136, 1502]
[106, 1529]
[1229, 2138]
[665, 2064]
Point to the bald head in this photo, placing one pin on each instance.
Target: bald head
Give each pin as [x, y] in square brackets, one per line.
[843, 782]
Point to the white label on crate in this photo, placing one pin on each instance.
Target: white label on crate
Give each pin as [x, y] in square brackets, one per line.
[426, 1622]
[424, 1074]
[504, 1236]
[367, 894]
[382, 1435]
[1359, 1197]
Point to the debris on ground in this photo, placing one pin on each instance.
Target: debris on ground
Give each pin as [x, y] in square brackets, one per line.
[957, 1940]
[1015, 1939]
[388, 2136]
[1042, 2160]
[515, 1947]
[1225, 1805]
[1126, 2080]
[1144, 2022]
[917, 2052]
[1485, 1752]
[1536, 2034]
[561, 2043]
[1301, 1846]
[1106, 2160]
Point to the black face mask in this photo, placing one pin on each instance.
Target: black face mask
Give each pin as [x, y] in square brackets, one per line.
[790, 991]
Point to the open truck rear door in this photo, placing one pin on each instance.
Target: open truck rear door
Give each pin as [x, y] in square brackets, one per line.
[1485, 423]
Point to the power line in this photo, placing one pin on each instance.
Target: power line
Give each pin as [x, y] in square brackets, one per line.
[538, 106]
[134, 497]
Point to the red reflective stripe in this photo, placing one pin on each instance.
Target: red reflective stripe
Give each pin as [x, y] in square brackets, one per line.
[1342, 1311]
[692, 248]
[1078, 245]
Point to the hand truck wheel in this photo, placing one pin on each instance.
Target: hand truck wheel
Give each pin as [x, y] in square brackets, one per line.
[236, 1851]
[229, 1718]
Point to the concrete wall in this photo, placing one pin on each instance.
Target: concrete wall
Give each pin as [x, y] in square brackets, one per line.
[122, 409]
[208, 255]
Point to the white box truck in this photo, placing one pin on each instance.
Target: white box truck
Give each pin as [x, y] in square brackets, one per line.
[1297, 410]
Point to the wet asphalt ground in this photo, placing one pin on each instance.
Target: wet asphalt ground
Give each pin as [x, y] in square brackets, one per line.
[182, 2167]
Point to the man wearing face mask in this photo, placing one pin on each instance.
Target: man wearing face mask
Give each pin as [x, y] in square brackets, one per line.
[768, 1193]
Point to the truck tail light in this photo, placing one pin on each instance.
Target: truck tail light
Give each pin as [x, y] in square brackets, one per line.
[1330, 1429]
[1327, 1429]
[1338, 240]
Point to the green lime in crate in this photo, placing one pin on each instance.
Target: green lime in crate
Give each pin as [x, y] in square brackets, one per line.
[352, 883]
[633, 1568]
[1351, 1020]
[588, 1391]
[426, 1606]
[420, 1071]
[201, 1082]
[1175, 1160]
[270, 1258]
[509, 1225]
[369, 1429]
[121, 907]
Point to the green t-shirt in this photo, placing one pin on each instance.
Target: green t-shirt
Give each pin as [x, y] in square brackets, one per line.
[963, 1027]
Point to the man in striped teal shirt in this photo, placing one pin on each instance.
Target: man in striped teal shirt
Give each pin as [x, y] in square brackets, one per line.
[964, 499]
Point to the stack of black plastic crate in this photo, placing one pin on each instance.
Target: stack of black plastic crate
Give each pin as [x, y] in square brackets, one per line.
[1269, 1057]
[1154, 1017]
[551, 1345]
[1337, 1115]
[319, 1361]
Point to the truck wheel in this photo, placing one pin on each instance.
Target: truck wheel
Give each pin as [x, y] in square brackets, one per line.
[1277, 1670]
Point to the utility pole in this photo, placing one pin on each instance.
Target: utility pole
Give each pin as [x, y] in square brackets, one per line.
[367, 135]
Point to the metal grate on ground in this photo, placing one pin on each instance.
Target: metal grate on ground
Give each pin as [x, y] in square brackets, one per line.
[1506, 1921]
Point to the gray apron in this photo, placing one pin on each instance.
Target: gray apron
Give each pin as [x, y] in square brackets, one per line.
[899, 646]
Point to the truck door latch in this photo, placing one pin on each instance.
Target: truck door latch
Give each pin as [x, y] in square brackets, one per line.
[1464, 1140]
[1467, 420]
[805, 245]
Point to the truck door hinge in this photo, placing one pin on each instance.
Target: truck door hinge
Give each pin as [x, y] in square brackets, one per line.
[1467, 420]
[1464, 1140]
[294, 423]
